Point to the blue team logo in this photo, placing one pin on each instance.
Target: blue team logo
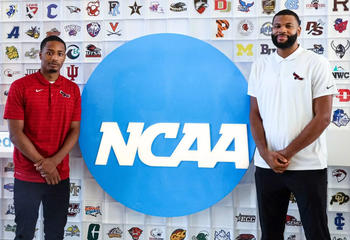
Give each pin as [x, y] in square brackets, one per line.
[340, 118]
[166, 133]
[339, 221]
[292, 4]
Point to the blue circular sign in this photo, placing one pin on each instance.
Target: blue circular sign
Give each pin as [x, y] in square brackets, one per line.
[165, 125]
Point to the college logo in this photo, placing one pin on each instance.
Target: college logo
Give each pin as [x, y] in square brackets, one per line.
[265, 49]
[73, 51]
[115, 233]
[292, 237]
[10, 167]
[135, 233]
[341, 2]
[156, 234]
[10, 228]
[93, 231]
[10, 73]
[93, 8]
[339, 49]
[73, 209]
[178, 234]
[92, 51]
[31, 9]
[268, 6]
[266, 29]
[223, 25]
[33, 32]
[49, 10]
[248, 49]
[32, 53]
[246, 218]
[31, 71]
[114, 8]
[93, 211]
[72, 72]
[344, 95]
[292, 4]
[93, 29]
[315, 28]
[317, 48]
[135, 9]
[10, 12]
[72, 231]
[12, 52]
[73, 9]
[244, 6]
[202, 235]
[200, 5]
[340, 73]
[245, 236]
[340, 25]
[178, 7]
[53, 32]
[155, 7]
[222, 5]
[340, 198]
[10, 209]
[245, 27]
[339, 221]
[74, 189]
[222, 235]
[72, 29]
[315, 4]
[9, 187]
[339, 174]
[14, 32]
[292, 221]
[114, 31]
[340, 118]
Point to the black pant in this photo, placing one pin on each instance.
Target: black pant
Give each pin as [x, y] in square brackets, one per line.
[27, 198]
[273, 193]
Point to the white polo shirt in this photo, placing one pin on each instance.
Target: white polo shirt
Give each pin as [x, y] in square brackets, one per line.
[285, 88]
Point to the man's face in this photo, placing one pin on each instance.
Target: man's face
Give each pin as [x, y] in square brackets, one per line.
[52, 57]
[285, 31]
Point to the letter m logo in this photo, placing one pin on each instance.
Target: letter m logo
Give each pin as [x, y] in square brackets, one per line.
[247, 50]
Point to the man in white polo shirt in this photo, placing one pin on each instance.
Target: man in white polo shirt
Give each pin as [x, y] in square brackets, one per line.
[291, 101]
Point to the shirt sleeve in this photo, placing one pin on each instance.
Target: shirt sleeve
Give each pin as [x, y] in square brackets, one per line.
[14, 108]
[77, 105]
[322, 81]
[252, 81]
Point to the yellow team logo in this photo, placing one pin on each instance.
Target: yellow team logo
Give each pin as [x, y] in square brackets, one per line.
[178, 234]
[12, 52]
[247, 50]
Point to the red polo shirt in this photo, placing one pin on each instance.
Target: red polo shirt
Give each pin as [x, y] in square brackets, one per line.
[47, 110]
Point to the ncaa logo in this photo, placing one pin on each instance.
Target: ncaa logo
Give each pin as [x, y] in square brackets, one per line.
[167, 133]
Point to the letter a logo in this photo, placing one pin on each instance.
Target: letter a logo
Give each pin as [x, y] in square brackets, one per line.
[14, 32]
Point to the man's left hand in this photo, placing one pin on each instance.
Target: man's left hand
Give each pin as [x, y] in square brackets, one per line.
[45, 166]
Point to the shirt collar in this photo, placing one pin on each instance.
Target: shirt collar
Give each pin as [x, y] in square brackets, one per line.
[43, 80]
[294, 55]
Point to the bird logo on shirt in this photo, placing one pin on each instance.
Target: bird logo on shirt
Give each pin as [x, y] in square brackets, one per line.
[297, 77]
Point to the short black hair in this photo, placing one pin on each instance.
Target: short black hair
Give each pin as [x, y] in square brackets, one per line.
[287, 12]
[49, 39]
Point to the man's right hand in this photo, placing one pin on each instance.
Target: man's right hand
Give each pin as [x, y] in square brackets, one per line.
[53, 178]
[277, 162]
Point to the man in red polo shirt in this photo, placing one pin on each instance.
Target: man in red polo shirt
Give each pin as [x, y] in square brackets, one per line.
[43, 112]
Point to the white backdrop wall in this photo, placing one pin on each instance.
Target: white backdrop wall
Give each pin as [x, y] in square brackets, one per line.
[92, 29]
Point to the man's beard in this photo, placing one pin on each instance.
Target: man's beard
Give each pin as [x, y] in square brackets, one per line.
[287, 44]
[53, 71]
